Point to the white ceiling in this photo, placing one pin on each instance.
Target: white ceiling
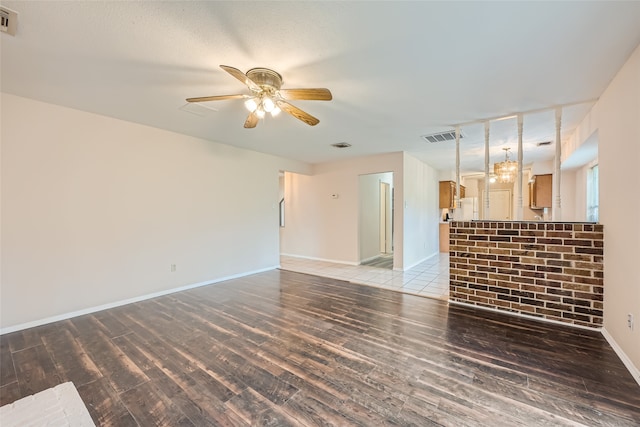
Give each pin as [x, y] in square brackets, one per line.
[397, 70]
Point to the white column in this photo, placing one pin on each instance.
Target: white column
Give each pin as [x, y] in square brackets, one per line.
[457, 198]
[486, 171]
[556, 215]
[519, 211]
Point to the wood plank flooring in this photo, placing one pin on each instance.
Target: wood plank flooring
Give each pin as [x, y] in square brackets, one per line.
[282, 348]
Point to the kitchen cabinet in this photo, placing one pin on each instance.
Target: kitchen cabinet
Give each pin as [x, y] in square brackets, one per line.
[540, 190]
[448, 194]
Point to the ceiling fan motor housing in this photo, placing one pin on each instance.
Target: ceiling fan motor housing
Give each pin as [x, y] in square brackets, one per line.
[267, 79]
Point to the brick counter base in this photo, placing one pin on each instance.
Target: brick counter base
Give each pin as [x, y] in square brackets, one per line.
[548, 270]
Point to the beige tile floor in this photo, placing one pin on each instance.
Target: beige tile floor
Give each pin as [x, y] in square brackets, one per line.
[430, 278]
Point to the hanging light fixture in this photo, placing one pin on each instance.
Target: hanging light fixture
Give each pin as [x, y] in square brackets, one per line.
[251, 104]
[262, 104]
[267, 104]
[506, 171]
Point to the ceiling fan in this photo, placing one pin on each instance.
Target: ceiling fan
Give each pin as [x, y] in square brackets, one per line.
[267, 97]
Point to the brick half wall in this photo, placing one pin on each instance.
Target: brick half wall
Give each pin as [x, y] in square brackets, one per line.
[548, 270]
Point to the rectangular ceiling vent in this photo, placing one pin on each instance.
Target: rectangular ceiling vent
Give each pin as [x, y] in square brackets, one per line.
[8, 21]
[442, 136]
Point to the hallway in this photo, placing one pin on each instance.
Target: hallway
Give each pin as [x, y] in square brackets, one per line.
[430, 278]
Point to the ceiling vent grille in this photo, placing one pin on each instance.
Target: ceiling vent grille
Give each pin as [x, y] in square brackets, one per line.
[8, 21]
[442, 136]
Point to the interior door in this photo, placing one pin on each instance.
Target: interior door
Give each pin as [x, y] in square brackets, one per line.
[386, 218]
[499, 205]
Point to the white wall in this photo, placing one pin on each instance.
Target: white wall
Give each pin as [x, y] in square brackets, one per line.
[619, 157]
[321, 227]
[574, 193]
[369, 216]
[580, 196]
[569, 193]
[542, 168]
[470, 185]
[95, 210]
[616, 118]
[421, 212]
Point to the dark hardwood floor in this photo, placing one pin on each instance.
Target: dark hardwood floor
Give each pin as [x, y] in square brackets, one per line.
[282, 348]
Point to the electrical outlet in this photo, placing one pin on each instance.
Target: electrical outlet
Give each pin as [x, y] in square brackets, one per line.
[8, 21]
[630, 321]
[173, 268]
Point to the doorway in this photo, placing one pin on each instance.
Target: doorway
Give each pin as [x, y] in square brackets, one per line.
[375, 221]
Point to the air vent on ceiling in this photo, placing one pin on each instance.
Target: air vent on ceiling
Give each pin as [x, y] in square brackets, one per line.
[8, 21]
[341, 145]
[442, 136]
[540, 144]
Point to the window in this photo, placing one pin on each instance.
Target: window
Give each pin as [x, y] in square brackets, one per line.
[593, 195]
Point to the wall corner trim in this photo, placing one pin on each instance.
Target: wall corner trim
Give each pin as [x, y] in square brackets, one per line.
[635, 372]
[89, 310]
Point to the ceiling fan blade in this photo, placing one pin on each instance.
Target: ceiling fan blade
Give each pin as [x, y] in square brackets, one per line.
[242, 77]
[298, 113]
[251, 121]
[214, 98]
[317, 94]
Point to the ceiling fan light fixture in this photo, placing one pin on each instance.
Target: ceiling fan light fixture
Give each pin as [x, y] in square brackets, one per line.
[267, 104]
[251, 104]
[267, 97]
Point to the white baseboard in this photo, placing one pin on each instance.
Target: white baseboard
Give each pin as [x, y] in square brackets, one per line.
[635, 372]
[89, 310]
[405, 268]
[320, 259]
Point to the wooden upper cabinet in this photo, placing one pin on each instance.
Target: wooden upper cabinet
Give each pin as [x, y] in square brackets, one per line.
[540, 190]
[448, 194]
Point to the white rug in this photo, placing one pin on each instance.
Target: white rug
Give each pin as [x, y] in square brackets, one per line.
[57, 406]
